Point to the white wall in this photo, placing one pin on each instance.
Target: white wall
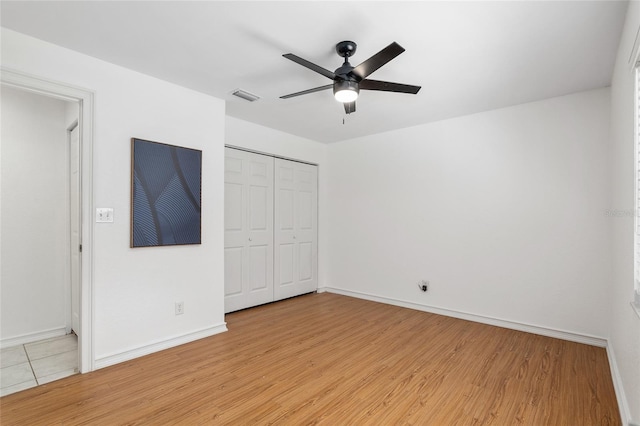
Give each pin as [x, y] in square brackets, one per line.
[243, 134]
[135, 289]
[34, 222]
[624, 333]
[240, 133]
[502, 211]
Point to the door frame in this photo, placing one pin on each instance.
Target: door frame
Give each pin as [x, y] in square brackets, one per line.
[73, 186]
[85, 100]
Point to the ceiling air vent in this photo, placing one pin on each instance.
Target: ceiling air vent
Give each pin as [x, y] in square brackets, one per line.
[245, 95]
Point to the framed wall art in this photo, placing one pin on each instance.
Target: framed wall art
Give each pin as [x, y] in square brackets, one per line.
[166, 183]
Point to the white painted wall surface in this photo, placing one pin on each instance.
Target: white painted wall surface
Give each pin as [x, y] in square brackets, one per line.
[34, 215]
[243, 134]
[502, 211]
[135, 289]
[624, 334]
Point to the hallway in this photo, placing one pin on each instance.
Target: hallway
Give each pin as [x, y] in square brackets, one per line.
[37, 363]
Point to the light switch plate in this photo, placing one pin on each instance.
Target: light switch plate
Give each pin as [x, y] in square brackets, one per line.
[104, 215]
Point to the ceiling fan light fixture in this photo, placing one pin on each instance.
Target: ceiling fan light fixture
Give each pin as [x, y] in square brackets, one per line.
[346, 91]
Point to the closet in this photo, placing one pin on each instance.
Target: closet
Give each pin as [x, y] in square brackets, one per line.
[271, 229]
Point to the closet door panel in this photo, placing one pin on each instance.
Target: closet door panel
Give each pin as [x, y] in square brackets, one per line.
[248, 229]
[233, 206]
[305, 254]
[286, 211]
[285, 262]
[233, 270]
[305, 210]
[307, 233]
[296, 229]
[234, 233]
[286, 265]
[258, 272]
[260, 214]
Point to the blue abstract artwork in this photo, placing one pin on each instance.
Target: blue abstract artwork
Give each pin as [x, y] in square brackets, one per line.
[165, 194]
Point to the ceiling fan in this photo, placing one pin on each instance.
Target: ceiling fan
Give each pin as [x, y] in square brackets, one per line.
[349, 80]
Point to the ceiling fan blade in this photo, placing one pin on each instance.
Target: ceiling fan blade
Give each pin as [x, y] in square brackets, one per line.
[350, 107]
[387, 86]
[310, 65]
[304, 92]
[366, 68]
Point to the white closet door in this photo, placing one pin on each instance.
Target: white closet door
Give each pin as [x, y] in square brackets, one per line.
[248, 224]
[296, 229]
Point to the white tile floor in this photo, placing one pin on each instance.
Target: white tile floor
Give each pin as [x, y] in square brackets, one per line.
[25, 366]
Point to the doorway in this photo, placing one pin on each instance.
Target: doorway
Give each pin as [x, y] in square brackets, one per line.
[39, 185]
[77, 299]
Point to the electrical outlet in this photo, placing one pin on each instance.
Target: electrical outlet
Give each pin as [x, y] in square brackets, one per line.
[179, 308]
[423, 285]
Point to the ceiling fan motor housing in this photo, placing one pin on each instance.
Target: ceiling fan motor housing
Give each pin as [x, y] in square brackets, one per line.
[344, 71]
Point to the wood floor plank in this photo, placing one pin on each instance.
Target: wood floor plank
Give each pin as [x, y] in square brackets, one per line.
[330, 359]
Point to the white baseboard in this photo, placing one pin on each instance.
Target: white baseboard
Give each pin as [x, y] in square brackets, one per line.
[625, 412]
[33, 337]
[543, 331]
[128, 355]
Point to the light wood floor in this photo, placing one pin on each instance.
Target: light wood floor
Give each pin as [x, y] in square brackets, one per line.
[336, 360]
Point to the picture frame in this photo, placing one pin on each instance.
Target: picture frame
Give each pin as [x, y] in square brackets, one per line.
[166, 188]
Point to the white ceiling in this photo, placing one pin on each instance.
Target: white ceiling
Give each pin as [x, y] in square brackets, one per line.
[467, 56]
